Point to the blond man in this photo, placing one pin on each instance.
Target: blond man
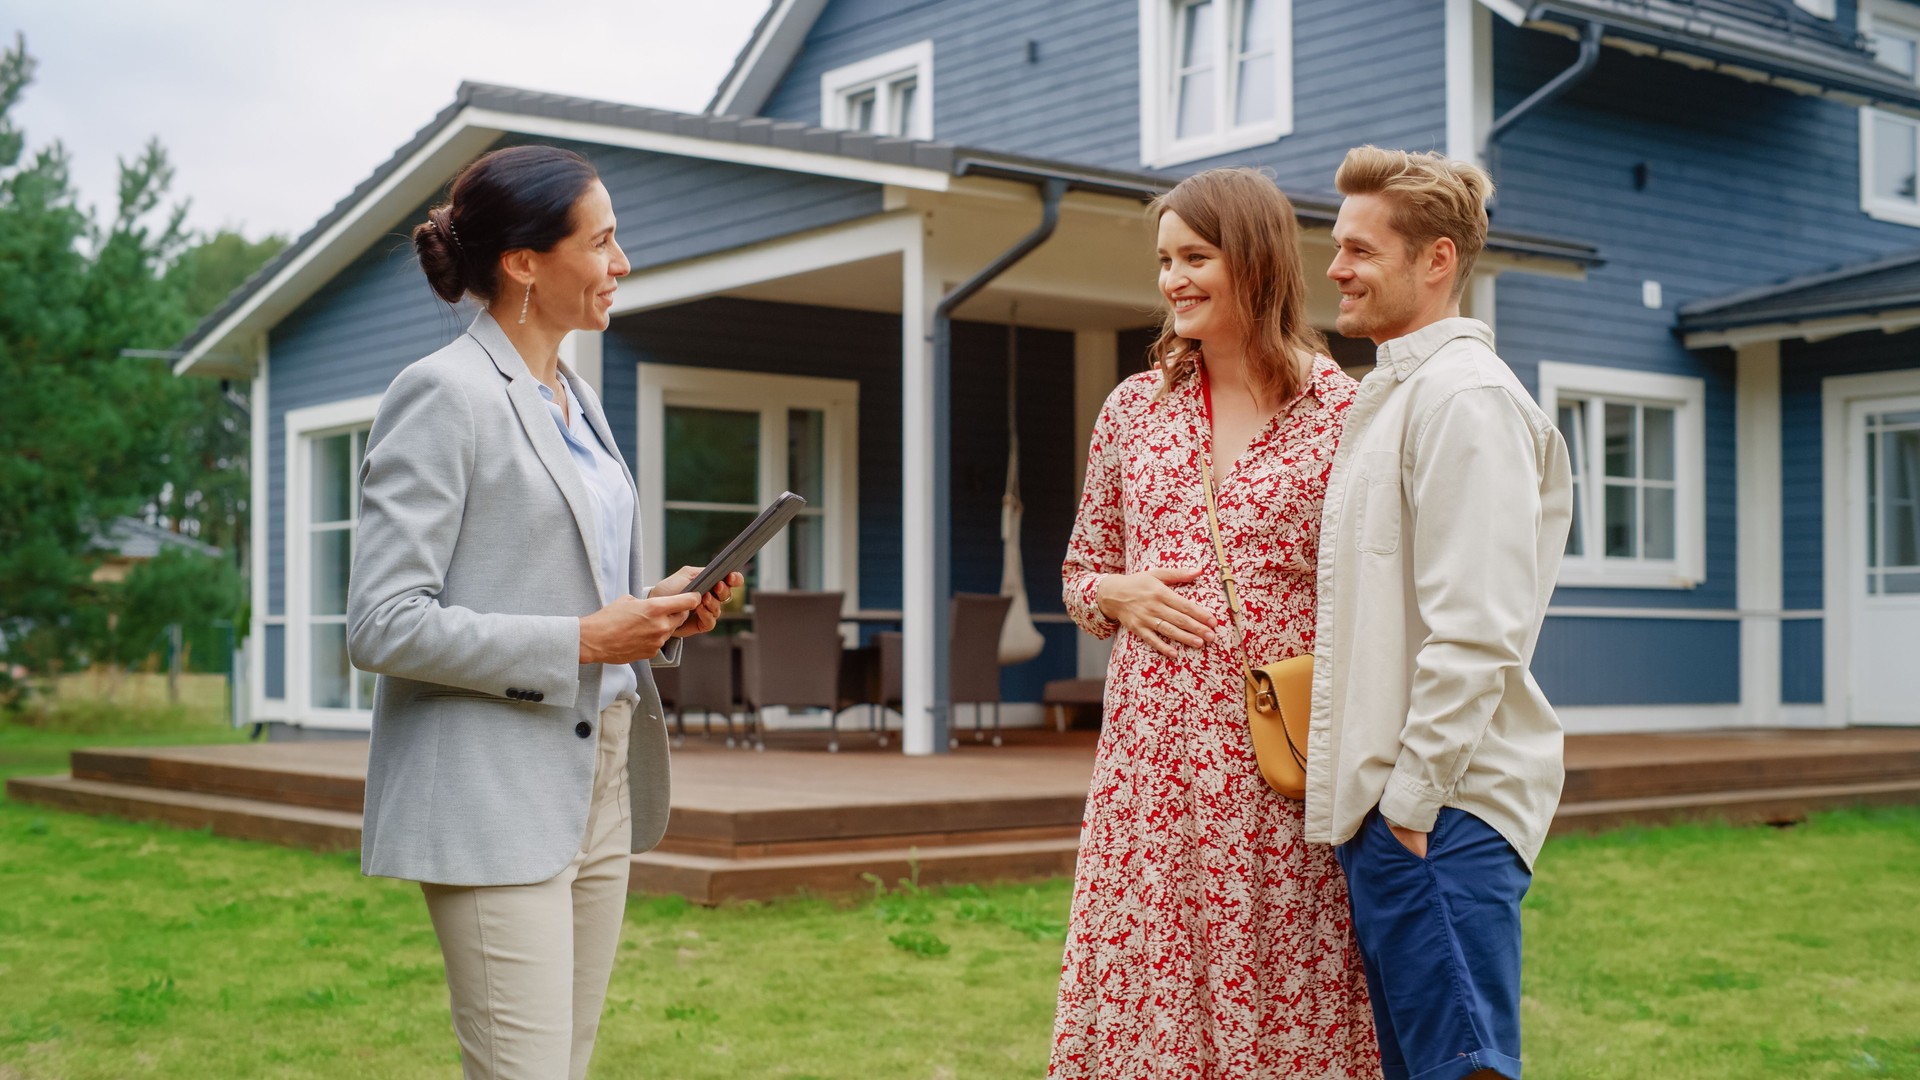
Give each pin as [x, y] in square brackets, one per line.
[1434, 761]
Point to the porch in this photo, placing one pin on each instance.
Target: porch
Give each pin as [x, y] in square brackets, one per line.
[794, 819]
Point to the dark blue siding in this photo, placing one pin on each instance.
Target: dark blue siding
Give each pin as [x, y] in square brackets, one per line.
[675, 208]
[1718, 213]
[274, 642]
[1584, 661]
[1802, 661]
[1803, 367]
[1080, 101]
[802, 340]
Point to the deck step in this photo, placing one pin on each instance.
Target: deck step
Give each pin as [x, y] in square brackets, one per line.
[325, 776]
[1767, 806]
[243, 819]
[707, 880]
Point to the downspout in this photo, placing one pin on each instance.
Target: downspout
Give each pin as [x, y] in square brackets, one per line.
[1052, 190]
[1582, 66]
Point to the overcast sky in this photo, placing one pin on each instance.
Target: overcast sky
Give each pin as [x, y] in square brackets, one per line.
[272, 112]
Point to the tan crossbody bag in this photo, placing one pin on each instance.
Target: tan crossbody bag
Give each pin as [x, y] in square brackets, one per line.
[1279, 695]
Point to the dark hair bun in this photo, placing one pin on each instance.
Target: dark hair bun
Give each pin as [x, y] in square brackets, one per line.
[440, 256]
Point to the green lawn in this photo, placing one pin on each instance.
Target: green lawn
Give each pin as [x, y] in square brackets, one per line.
[134, 951]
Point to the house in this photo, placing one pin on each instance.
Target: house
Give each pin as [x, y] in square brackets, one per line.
[1702, 262]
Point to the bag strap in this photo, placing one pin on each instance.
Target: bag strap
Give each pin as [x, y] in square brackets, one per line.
[1220, 554]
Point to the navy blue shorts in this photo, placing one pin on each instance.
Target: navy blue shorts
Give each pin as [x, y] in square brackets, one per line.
[1440, 940]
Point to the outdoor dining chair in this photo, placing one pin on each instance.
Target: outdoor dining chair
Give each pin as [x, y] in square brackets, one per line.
[973, 660]
[792, 658]
[703, 683]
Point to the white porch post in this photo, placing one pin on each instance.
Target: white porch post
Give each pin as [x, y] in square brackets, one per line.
[1095, 363]
[581, 350]
[919, 606]
[1757, 443]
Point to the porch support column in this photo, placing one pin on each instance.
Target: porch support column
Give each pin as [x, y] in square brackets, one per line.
[1096, 367]
[919, 520]
[581, 351]
[1757, 490]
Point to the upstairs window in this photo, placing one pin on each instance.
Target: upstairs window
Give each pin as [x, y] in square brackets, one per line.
[1636, 444]
[1215, 76]
[1890, 142]
[890, 94]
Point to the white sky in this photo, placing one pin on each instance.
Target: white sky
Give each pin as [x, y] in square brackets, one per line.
[272, 110]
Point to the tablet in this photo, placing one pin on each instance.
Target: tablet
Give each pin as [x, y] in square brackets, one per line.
[742, 548]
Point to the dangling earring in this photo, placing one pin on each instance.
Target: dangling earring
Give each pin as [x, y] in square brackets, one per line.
[523, 303]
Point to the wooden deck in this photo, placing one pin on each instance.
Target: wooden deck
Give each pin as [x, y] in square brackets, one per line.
[753, 825]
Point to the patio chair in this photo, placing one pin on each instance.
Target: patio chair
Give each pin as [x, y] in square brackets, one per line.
[973, 660]
[703, 683]
[973, 665]
[792, 658]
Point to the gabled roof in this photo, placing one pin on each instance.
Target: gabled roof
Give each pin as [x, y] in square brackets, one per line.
[769, 51]
[1883, 293]
[481, 113]
[1770, 41]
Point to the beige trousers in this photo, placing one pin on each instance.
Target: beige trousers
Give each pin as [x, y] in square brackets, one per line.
[527, 965]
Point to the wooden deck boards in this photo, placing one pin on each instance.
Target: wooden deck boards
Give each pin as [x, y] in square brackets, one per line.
[795, 818]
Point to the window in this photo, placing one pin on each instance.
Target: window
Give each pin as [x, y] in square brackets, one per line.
[325, 445]
[1818, 8]
[1215, 76]
[1893, 503]
[885, 95]
[722, 444]
[1636, 443]
[1889, 142]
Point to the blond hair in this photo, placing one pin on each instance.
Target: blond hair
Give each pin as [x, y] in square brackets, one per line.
[1432, 196]
[1246, 215]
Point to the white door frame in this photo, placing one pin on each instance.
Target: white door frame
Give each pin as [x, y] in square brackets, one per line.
[1840, 513]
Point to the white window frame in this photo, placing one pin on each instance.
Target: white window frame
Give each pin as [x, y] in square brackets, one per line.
[1688, 398]
[1907, 18]
[302, 427]
[878, 74]
[1159, 29]
[771, 396]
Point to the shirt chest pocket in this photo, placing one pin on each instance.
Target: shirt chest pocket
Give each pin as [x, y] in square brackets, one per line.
[1377, 489]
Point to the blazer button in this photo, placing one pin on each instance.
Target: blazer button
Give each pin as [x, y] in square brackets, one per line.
[583, 729]
[535, 696]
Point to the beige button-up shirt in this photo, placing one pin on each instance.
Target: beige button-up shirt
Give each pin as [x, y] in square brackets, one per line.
[1446, 517]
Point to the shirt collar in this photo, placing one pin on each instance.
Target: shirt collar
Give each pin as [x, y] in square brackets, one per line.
[1403, 355]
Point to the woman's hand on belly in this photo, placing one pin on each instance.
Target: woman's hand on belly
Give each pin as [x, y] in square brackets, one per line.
[631, 629]
[1155, 613]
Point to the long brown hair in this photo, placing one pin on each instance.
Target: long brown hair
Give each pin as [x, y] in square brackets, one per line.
[1246, 215]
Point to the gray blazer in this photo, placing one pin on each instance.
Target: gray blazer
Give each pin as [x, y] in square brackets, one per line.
[473, 564]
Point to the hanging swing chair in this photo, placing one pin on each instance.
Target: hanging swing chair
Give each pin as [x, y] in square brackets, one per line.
[1020, 640]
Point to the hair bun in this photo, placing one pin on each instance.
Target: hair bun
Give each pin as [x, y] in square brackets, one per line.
[438, 248]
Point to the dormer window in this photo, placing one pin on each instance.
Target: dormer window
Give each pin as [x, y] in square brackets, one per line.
[1215, 76]
[891, 94]
[1890, 142]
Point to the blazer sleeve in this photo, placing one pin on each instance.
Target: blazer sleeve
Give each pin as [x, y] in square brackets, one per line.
[414, 483]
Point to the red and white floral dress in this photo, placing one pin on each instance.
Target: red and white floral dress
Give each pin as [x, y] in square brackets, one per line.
[1208, 939]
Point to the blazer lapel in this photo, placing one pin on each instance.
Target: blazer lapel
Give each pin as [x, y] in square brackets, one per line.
[523, 391]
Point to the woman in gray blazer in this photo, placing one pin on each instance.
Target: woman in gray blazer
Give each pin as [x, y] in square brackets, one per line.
[519, 751]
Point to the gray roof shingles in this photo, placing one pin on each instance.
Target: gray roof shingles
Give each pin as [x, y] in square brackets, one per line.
[1885, 284]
